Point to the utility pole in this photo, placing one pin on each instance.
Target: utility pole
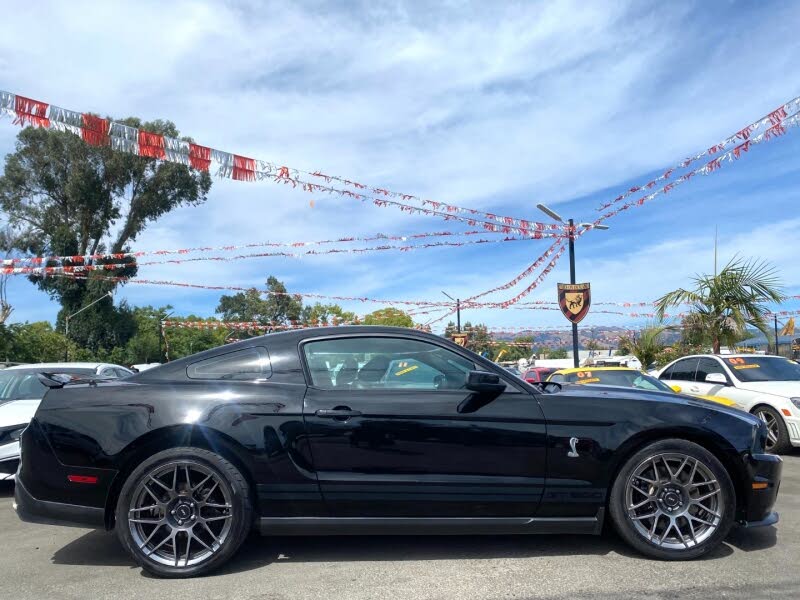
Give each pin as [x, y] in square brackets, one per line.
[777, 346]
[571, 235]
[458, 310]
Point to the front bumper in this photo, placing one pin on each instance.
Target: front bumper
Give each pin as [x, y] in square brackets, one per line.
[761, 491]
[9, 461]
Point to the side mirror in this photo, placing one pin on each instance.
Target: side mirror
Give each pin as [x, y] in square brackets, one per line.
[676, 388]
[717, 378]
[483, 382]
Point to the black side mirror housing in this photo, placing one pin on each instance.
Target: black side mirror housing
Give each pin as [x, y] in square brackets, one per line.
[484, 382]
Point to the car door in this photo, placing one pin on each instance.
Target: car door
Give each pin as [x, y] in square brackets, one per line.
[705, 367]
[681, 374]
[387, 438]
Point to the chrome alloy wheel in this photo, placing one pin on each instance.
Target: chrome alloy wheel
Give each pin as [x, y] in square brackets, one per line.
[772, 428]
[180, 514]
[674, 501]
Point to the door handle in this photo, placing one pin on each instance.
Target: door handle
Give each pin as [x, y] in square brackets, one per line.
[341, 412]
[694, 389]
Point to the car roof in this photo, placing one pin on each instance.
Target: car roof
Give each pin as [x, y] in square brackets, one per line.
[62, 365]
[577, 369]
[722, 356]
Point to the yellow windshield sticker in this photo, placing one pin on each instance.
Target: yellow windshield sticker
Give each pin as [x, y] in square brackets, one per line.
[406, 370]
[749, 366]
[590, 380]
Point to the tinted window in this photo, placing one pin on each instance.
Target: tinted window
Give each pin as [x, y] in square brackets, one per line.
[764, 368]
[683, 370]
[708, 365]
[557, 378]
[625, 378]
[384, 363]
[249, 364]
[16, 385]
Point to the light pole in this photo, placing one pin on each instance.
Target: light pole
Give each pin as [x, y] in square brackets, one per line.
[68, 317]
[777, 345]
[571, 235]
[458, 310]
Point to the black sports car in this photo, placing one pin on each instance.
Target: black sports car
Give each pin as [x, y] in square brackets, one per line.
[354, 430]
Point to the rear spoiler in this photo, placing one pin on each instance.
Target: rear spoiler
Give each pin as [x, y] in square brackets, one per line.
[58, 380]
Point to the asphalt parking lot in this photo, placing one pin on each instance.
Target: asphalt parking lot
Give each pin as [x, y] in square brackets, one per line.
[59, 562]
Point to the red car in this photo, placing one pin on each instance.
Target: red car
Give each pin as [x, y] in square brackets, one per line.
[537, 374]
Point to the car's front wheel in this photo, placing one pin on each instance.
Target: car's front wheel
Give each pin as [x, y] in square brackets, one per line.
[673, 500]
[777, 434]
[183, 512]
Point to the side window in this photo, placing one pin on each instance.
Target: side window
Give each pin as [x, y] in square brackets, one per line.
[249, 364]
[684, 370]
[668, 373]
[708, 365]
[557, 378]
[108, 372]
[384, 363]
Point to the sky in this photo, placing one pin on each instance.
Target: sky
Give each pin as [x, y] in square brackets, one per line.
[563, 103]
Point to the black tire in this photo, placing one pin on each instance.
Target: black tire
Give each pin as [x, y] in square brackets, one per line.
[231, 486]
[782, 445]
[630, 524]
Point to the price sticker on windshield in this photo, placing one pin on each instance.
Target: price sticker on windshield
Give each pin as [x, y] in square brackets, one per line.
[740, 363]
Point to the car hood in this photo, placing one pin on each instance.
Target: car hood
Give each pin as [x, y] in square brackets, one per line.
[614, 391]
[787, 389]
[17, 412]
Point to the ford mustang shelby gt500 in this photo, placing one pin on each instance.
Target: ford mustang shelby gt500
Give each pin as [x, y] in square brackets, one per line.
[356, 430]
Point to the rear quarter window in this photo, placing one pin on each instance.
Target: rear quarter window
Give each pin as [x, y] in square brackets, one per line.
[248, 364]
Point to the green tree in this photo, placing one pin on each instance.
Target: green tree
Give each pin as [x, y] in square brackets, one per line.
[73, 198]
[557, 353]
[726, 303]
[646, 344]
[479, 340]
[277, 308]
[391, 317]
[180, 341]
[33, 342]
[325, 314]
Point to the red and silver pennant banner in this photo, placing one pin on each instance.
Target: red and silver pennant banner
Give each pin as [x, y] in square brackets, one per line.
[526, 273]
[123, 138]
[66, 269]
[253, 325]
[38, 260]
[710, 167]
[774, 118]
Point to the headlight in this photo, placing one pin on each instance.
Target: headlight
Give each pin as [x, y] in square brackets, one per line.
[796, 402]
[11, 434]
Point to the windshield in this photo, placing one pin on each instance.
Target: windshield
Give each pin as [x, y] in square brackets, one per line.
[20, 385]
[624, 378]
[764, 368]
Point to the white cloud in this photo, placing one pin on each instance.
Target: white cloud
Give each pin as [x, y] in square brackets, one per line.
[499, 108]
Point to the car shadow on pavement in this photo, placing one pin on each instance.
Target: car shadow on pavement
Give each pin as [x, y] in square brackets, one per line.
[100, 548]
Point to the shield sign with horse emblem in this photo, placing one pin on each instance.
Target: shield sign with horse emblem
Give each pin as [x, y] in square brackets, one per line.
[574, 300]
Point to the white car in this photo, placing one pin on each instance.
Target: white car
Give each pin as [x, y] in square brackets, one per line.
[766, 386]
[20, 394]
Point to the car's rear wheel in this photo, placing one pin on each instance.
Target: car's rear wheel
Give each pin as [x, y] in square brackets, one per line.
[183, 512]
[777, 434]
[673, 500]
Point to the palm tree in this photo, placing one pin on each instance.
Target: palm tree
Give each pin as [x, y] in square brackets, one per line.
[726, 303]
[646, 345]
